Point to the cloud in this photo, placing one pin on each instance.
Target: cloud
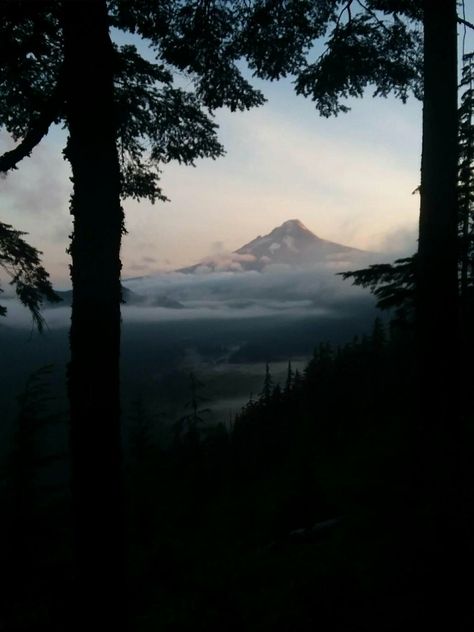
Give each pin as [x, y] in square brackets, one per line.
[41, 185]
[279, 290]
[397, 243]
[224, 261]
[217, 247]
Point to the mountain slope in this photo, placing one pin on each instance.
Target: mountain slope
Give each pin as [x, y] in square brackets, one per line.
[291, 244]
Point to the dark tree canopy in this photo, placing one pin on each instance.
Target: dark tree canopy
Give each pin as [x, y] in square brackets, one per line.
[365, 44]
[364, 50]
[372, 43]
[157, 120]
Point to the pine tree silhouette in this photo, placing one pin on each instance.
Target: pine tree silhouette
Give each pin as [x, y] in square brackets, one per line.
[289, 379]
[267, 388]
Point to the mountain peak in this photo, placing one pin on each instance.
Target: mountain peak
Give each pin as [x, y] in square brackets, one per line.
[294, 223]
[291, 243]
[293, 227]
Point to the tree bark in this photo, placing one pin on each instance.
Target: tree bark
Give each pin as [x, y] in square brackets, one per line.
[437, 484]
[93, 374]
[437, 260]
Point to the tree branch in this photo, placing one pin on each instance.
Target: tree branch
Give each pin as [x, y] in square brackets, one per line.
[10, 159]
[374, 16]
[347, 8]
[465, 23]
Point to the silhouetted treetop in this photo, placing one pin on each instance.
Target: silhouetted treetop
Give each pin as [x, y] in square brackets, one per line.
[371, 43]
[267, 388]
[278, 35]
[198, 38]
[157, 123]
[158, 120]
[361, 52]
[365, 43]
[30, 65]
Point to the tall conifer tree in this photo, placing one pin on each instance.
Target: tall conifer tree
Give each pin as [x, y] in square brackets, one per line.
[57, 63]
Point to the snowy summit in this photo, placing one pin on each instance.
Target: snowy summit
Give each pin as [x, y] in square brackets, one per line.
[291, 244]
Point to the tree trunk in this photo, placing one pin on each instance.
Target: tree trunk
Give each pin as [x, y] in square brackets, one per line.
[437, 282]
[93, 377]
[438, 481]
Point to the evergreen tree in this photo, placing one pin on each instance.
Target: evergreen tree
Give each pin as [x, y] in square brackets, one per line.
[277, 395]
[466, 183]
[289, 379]
[189, 424]
[140, 433]
[267, 388]
[124, 118]
[298, 381]
[393, 285]
[380, 43]
[22, 264]
[24, 483]
[378, 337]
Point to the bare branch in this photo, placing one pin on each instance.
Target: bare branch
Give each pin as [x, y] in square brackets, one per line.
[374, 16]
[347, 8]
[465, 23]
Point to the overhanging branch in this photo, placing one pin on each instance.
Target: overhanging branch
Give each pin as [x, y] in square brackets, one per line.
[465, 23]
[10, 159]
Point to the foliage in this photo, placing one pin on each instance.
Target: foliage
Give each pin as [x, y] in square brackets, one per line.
[35, 415]
[189, 425]
[157, 123]
[364, 44]
[393, 285]
[364, 51]
[278, 35]
[309, 497]
[30, 63]
[466, 176]
[157, 120]
[198, 39]
[34, 548]
[23, 265]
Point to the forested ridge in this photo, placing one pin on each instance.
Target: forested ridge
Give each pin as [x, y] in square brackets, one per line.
[308, 508]
[341, 498]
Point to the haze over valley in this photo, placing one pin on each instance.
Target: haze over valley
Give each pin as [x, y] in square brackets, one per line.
[273, 299]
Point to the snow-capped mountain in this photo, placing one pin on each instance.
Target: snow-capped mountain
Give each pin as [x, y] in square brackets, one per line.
[291, 244]
[289, 272]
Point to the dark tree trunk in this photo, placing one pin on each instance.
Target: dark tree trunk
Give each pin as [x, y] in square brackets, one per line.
[437, 282]
[93, 378]
[440, 542]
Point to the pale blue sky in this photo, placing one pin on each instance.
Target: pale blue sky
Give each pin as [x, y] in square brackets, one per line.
[349, 179]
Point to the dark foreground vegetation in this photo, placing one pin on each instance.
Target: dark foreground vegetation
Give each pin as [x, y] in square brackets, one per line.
[309, 509]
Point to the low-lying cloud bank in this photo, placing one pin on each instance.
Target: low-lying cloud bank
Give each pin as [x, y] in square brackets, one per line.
[279, 290]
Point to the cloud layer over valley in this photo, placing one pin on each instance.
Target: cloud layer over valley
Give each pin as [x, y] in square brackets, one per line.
[279, 290]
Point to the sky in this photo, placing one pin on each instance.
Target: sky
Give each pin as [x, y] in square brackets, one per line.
[349, 179]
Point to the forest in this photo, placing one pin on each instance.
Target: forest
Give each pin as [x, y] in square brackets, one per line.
[340, 495]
